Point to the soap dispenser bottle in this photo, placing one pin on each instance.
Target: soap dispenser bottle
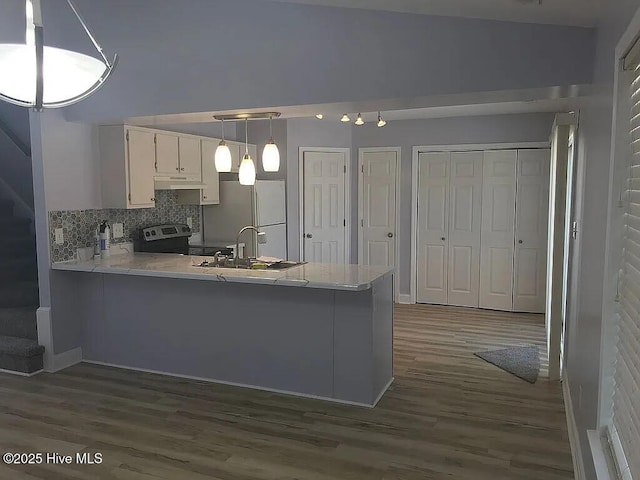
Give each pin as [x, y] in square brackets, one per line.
[105, 239]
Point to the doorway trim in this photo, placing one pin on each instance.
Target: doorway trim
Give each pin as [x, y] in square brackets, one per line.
[398, 152]
[347, 196]
[417, 150]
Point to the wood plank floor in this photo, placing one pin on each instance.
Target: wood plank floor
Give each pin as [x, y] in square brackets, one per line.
[448, 415]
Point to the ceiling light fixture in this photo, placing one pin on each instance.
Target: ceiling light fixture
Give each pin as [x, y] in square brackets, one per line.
[247, 172]
[319, 116]
[270, 154]
[34, 75]
[223, 155]
[381, 122]
[345, 118]
[359, 121]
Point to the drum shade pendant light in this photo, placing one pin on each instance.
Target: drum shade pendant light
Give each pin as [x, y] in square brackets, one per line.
[270, 154]
[34, 75]
[247, 172]
[223, 155]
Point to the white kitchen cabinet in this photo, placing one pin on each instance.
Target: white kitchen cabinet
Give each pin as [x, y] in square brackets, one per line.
[177, 155]
[211, 194]
[237, 152]
[167, 154]
[127, 164]
[190, 156]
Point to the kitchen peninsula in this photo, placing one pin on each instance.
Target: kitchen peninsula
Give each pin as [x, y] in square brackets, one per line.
[317, 330]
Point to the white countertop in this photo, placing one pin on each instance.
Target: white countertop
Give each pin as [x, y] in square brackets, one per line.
[311, 275]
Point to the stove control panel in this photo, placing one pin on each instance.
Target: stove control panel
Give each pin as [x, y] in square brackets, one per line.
[162, 232]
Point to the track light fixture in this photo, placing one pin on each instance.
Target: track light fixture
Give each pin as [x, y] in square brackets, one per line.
[381, 122]
[345, 118]
[319, 116]
[359, 121]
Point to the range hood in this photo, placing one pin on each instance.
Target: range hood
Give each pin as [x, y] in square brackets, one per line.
[178, 183]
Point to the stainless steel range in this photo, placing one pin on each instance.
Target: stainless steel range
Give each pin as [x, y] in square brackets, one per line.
[169, 238]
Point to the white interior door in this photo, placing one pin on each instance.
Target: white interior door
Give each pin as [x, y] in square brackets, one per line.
[378, 208]
[497, 238]
[433, 226]
[465, 221]
[324, 218]
[532, 223]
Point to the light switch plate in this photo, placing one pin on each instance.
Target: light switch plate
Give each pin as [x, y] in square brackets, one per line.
[59, 236]
[118, 230]
[190, 222]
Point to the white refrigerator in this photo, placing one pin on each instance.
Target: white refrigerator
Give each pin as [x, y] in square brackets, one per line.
[262, 205]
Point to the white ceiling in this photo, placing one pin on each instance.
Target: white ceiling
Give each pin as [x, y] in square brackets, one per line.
[559, 12]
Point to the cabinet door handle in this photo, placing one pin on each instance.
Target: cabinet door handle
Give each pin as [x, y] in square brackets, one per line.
[177, 169]
[204, 196]
[153, 199]
[520, 241]
[390, 235]
[309, 235]
[443, 239]
[182, 169]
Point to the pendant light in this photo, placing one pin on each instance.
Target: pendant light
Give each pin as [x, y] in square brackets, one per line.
[223, 155]
[319, 116]
[359, 121]
[247, 173]
[38, 76]
[270, 154]
[345, 118]
[381, 122]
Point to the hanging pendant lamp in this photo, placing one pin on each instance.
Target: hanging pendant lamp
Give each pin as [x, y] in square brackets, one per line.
[34, 75]
[247, 172]
[270, 154]
[223, 155]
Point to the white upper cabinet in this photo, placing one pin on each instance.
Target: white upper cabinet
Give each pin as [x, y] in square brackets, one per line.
[127, 167]
[167, 155]
[189, 156]
[210, 195]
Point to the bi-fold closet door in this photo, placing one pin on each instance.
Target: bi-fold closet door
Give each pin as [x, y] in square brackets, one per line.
[482, 229]
[449, 221]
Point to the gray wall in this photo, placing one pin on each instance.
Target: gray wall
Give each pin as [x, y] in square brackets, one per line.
[204, 55]
[584, 348]
[441, 131]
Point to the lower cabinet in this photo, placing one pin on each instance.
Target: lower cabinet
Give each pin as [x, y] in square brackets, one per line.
[482, 229]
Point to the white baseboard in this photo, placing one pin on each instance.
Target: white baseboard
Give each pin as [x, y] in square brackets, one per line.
[45, 337]
[66, 359]
[244, 385]
[20, 374]
[574, 434]
[404, 299]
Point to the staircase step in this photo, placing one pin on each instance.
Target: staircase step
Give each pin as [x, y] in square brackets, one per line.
[19, 294]
[20, 354]
[14, 225]
[18, 322]
[18, 244]
[6, 208]
[18, 268]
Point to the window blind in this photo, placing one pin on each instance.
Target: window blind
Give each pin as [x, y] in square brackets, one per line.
[626, 394]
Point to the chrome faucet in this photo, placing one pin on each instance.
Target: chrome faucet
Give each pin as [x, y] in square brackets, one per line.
[262, 238]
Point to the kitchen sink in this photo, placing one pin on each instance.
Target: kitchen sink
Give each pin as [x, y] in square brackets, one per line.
[250, 264]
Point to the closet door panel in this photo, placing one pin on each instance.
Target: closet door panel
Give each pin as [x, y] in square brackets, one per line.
[498, 227]
[433, 226]
[464, 228]
[532, 223]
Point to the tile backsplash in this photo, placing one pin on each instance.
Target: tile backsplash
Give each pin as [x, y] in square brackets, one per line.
[79, 225]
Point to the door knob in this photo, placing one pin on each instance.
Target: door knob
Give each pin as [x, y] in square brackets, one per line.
[390, 235]
[443, 239]
[520, 241]
[309, 235]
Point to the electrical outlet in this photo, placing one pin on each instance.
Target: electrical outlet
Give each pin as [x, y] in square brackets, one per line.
[190, 222]
[59, 234]
[118, 230]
